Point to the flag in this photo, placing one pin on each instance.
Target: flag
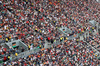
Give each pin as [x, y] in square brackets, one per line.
[14, 45]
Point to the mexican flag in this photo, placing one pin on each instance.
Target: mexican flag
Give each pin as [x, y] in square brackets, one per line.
[14, 45]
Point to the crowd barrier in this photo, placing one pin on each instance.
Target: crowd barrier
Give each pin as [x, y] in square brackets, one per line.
[27, 53]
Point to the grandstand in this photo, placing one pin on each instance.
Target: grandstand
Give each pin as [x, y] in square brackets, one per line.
[49, 33]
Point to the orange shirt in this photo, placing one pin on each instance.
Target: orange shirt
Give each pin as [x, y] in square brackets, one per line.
[0, 36]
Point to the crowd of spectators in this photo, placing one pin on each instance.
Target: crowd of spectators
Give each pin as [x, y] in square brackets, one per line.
[94, 41]
[34, 21]
[70, 53]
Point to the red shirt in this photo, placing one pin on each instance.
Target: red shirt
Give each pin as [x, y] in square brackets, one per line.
[48, 38]
[78, 59]
[27, 21]
[41, 38]
[74, 46]
[91, 51]
[4, 5]
[2, 53]
[14, 26]
[25, 64]
[5, 49]
[49, 31]
[67, 51]
[4, 58]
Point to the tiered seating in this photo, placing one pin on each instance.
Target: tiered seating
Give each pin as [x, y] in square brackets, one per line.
[34, 21]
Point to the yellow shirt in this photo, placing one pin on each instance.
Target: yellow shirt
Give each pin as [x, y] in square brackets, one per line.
[29, 46]
[92, 27]
[6, 39]
[40, 31]
[7, 27]
[82, 30]
[10, 37]
[40, 45]
[35, 28]
[54, 40]
[16, 54]
[61, 38]
[66, 38]
[32, 3]
[8, 56]
[42, 54]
